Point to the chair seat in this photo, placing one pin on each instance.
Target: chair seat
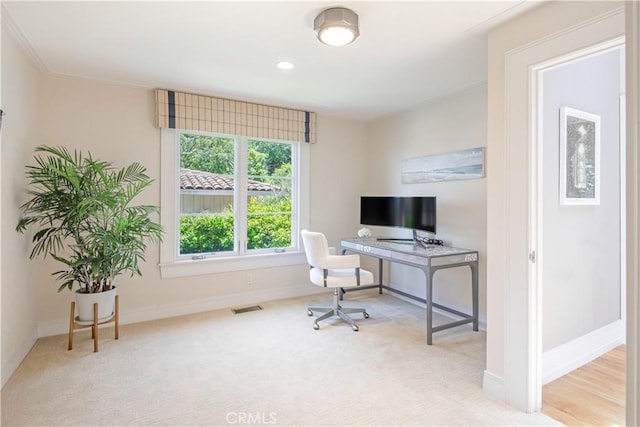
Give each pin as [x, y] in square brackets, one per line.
[341, 278]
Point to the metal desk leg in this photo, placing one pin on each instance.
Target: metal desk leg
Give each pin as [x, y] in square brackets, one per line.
[429, 302]
[474, 293]
[380, 276]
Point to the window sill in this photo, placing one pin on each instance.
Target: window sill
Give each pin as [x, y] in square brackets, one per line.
[213, 264]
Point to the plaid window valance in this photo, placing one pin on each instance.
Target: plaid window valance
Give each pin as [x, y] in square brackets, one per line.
[179, 110]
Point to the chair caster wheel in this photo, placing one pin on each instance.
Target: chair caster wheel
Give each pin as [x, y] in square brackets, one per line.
[309, 313]
[366, 315]
[355, 328]
[316, 326]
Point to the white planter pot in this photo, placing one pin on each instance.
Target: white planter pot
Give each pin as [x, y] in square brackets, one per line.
[106, 305]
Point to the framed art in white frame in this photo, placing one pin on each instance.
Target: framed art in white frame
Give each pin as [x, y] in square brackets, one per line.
[579, 157]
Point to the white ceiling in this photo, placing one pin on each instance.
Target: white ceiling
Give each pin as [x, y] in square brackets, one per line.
[407, 52]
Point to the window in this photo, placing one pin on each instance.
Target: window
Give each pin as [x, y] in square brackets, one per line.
[207, 194]
[212, 205]
[231, 203]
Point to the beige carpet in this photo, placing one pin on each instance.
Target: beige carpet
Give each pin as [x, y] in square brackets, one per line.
[266, 367]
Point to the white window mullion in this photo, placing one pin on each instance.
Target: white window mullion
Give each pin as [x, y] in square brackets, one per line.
[295, 189]
[302, 182]
[175, 202]
[241, 194]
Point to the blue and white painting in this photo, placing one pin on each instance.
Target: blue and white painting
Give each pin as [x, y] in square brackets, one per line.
[465, 164]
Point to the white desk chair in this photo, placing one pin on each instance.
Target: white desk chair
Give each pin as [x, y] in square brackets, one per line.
[333, 271]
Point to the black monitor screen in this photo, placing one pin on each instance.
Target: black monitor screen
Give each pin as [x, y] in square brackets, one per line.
[418, 213]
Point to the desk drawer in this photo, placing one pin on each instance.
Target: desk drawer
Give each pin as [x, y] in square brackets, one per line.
[453, 259]
[411, 259]
[370, 250]
[366, 249]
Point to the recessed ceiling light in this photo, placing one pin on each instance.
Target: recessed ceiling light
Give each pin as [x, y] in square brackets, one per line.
[284, 65]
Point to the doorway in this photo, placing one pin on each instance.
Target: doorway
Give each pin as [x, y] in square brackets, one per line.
[577, 208]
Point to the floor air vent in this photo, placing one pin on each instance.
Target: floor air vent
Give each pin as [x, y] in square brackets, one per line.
[246, 309]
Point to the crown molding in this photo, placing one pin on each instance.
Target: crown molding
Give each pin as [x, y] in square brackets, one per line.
[22, 40]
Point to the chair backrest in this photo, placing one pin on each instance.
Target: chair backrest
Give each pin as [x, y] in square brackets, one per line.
[316, 247]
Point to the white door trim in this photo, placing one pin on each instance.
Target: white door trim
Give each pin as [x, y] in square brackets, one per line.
[632, 59]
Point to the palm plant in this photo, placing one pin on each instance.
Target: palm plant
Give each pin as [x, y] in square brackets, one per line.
[84, 218]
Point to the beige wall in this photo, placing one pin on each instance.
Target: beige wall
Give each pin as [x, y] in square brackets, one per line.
[339, 172]
[457, 122]
[20, 84]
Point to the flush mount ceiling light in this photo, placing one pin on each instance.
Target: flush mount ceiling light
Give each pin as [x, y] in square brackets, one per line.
[337, 26]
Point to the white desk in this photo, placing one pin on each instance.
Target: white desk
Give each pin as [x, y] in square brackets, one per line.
[429, 259]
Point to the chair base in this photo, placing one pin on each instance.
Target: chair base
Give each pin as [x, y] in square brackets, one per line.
[336, 310]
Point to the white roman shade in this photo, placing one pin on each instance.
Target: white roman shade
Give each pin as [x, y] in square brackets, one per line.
[179, 110]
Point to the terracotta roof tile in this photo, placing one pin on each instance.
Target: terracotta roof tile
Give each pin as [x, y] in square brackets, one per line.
[198, 180]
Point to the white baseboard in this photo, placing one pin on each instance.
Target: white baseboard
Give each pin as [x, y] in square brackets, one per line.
[12, 362]
[565, 358]
[57, 327]
[493, 385]
[182, 308]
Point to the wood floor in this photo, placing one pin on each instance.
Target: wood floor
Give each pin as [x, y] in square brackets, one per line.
[592, 395]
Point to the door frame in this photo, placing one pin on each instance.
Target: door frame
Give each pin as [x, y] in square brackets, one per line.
[536, 198]
[521, 298]
[632, 61]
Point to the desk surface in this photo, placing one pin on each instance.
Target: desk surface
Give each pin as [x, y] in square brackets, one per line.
[409, 247]
[407, 251]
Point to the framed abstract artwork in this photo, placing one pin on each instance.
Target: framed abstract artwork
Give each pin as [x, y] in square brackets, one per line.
[579, 157]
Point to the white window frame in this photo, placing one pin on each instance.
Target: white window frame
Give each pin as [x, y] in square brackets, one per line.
[174, 265]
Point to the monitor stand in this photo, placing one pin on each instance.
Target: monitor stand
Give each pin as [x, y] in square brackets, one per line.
[413, 241]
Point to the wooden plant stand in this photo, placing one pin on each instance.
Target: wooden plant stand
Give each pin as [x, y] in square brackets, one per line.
[78, 324]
